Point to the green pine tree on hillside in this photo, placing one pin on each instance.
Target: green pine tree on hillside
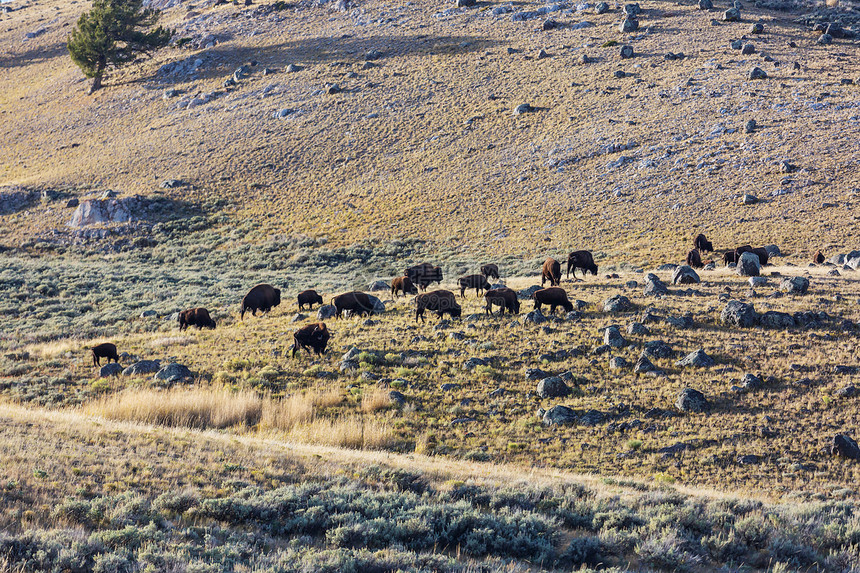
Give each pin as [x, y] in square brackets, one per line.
[112, 34]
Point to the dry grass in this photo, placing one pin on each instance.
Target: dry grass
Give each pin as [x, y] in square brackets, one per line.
[298, 409]
[375, 400]
[182, 408]
[355, 432]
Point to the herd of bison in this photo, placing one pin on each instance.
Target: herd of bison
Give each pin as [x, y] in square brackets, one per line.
[315, 337]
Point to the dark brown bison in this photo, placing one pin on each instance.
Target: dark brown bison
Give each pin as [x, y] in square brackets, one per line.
[104, 350]
[694, 260]
[741, 250]
[355, 302]
[439, 301]
[554, 297]
[551, 271]
[818, 259]
[503, 297]
[730, 257]
[477, 282]
[309, 297]
[762, 253]
[491, 271]
[198, 317]
[424, 274]
[581, 260]
[403, 284]
[703, 245]
[263, 297]
[311, 337]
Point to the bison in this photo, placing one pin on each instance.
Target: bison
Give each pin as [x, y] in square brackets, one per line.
[818, 259]
[703, 245]
[581, 260]
[762, 253]
[440, 301]
[730, 257]
[104, 350]
[694, 259]
[424, 275]
[551, 271]
[355, 302]
[403, 284]
[309, 297]
[313, 336]
[741, 250]
[503, 297]
[477, 282]
[491, 271]
[198, 317]
[554, 297]
[263, 297]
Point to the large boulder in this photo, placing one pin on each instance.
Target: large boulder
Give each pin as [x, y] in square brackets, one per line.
[795, 285]
[657, 349]
[142, 367]
[103, 211]
[654, 286]
[378, 305]
[685, 275]
[110, 369]
[696, 359]
[618, 303]
[748, 265]
[552, 387]
[378, 286]
[173, 373]
[559, 415]
[739, 313]
[612, 337]
[845, 447]
[527, 293]
[690, 400]
[326, 311]
[774, 319]
[644, 365]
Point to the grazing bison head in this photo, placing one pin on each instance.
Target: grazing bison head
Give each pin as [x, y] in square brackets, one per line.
[277, 300]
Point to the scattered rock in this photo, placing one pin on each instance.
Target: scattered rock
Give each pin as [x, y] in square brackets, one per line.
[845, 447]
[697, 359]
[706, 5]
[618, 363]
[292, 68]
[535, 374]
[473, 363]
[173, 373]
[618, 303]
[643, 365]
[523, 108]
[333, 89]
[748, 459]
[626, 52]
[172, 183]
[757, 28]
[110, 369]
[757, 281]
[377, 286]
[685, 321]
[632, 10]
[685, 275]
[749, 127]
[846, 391]
[749, 199]
[657, 349]
[690, 400]
[654, 286]
[559, 415]
[731, 15]
[527, 293]
[748, 49]
[535, 317]
[637, 328]
[774, 319]
[757, 74]
[449, 387]
[142, 367]
[326, 311]
[550, 24]
[795, 285]
[628, 25]
[737, 313]
[148, 314]
[601, 8]
[612, 337]
[748, 265]
[752, 382]
[552, 387]
[824, 40]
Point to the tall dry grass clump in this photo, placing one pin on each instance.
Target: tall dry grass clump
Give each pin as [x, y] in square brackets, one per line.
[184, 408]
[347, 432]
[297, 409]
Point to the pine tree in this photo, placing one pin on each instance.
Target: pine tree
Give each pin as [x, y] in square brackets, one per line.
[112, 34]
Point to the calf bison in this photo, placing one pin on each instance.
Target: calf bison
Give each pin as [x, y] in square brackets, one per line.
[439, 301]
[198, 317]
[309, 297]
[818, 259]
[424, 275]
[491, 271]
[551, 271]
[554, 297]
[581, 260]
[694, 260]
[703, 245]
[263, 297]
[104, 350]
[311, 337]
[355, 302]
[477, 282]
[402, 284]
[503, 297]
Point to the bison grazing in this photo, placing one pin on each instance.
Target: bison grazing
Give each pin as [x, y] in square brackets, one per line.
[402, 284]
[551, 271]
[105, 350]
[355, 302]
[424, 274]
[730, 257]
[503, 297]
[262, 297]
[581, 260]
[490, 271]
[703, 245]
[694, 260]
[477, 282]
[762, 254]
[198, 317]
[439, 301]
[311, 337]
[309, 297]
[818, 259]
[554, 297]
[741, 250]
